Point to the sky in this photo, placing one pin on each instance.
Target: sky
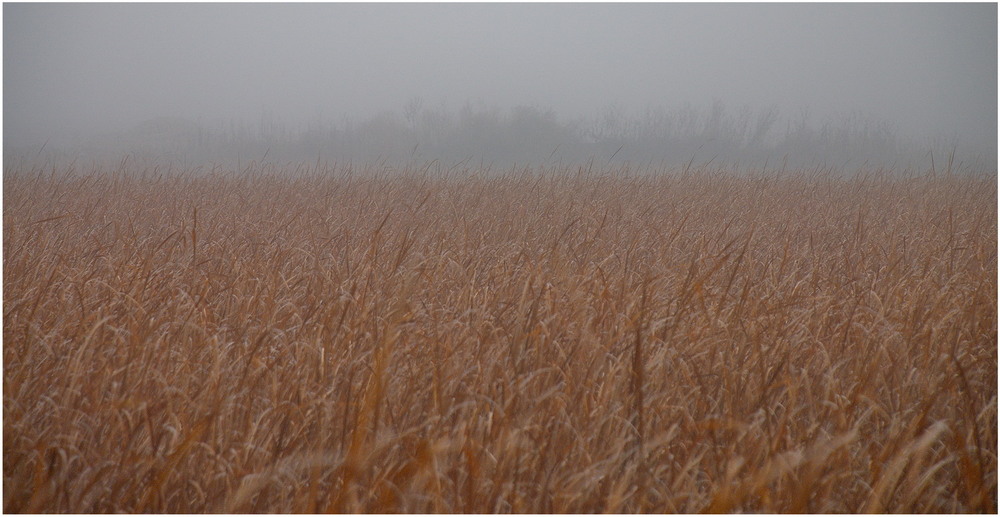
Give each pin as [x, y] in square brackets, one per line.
[929, 69]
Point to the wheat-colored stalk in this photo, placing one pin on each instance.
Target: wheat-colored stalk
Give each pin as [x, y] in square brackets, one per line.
[546, 340]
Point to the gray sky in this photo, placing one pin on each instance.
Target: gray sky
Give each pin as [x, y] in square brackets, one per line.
[928, 68]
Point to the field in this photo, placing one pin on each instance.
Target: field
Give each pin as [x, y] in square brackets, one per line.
[535, 341]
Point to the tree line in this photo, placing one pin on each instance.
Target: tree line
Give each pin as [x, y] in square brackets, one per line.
[487, 136]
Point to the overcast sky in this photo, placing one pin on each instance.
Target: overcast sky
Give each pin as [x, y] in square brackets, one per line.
[928, 68]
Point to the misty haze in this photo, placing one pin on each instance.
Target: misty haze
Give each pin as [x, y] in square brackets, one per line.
[844, 86]
[500, 258]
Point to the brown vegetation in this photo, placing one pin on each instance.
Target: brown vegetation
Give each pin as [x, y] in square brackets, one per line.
[557, 342]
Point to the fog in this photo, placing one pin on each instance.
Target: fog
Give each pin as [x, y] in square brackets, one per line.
[858, 83]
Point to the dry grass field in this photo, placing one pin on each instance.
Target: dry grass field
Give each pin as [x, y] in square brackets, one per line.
[559, 342]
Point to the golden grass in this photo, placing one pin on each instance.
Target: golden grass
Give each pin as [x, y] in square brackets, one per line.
[313, 342]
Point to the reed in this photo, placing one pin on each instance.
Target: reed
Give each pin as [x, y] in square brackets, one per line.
[548, 341]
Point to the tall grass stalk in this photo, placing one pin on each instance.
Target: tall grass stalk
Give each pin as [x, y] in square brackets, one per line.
[564, 340]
